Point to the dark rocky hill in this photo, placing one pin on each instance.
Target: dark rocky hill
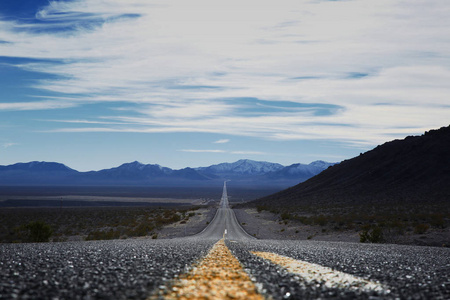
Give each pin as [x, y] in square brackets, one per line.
[413, 170]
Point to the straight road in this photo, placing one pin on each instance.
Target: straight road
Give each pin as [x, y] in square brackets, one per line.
[225, 262]
[224, 224]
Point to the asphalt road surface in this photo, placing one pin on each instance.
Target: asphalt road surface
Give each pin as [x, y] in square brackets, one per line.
[140, 269]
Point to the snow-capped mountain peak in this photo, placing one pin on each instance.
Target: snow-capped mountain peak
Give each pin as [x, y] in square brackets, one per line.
[243, 166]
[244, 172]
[321, 164]
[133, 165]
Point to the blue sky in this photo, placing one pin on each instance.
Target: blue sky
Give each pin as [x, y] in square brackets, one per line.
[93, 84]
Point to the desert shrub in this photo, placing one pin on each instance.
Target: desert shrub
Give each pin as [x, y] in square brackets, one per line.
[168, 213]
[259, 208]
[103, 235]
[371, 235]
[321, 220]
[68, 231]
[174, 218]
[305, 220]
[93, 223]
[274, 211]
[349, 225]
[421, 228]
[398, 226]
[141, 230]
[35, 232]
[285, 216]
[437, 220]
[60, 239]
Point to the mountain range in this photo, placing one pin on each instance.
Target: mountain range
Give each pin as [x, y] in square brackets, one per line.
[412, 170]
[244, 172]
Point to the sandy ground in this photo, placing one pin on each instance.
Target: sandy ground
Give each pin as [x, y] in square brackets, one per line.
[266, 225]
[193, 226]
[263, 225]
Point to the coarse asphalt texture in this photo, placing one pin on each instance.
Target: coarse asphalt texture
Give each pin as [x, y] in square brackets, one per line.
[137, 269]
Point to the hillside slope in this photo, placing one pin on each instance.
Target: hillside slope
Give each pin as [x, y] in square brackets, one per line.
[413, 170]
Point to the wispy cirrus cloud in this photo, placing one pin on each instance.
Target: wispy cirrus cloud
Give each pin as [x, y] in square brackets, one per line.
[322, 71]
[202, 151]
[224, 151]
[84, 122]
[248, 152]
[38, 105]
[362, 130]
[222, 141]
[7, 145]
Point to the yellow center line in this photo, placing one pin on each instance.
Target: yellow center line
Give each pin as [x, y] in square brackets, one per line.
[316, 273]
[219, 275]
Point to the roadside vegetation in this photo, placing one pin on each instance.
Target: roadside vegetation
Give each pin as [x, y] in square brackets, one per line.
[93, 223]
[375, 224]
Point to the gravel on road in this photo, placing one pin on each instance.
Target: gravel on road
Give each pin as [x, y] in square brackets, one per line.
[409, 272]
[117, 269]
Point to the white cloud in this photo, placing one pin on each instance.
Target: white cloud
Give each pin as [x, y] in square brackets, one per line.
[7, 145]
[85, 122]
[222, 141]
[38, 105]
[202, 151]
[248, 152]
[180, 61]
[365, 125]
[223, 151]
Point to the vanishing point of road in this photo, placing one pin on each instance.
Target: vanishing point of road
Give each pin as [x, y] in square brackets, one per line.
[222, 262]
